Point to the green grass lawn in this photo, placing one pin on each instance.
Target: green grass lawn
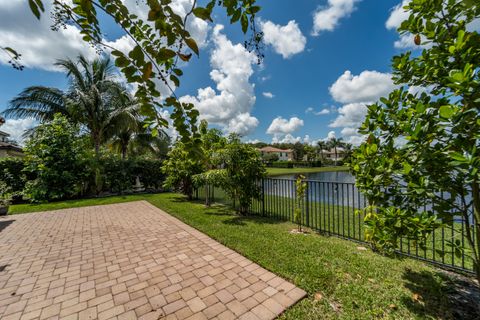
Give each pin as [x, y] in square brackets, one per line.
[282, 171]
[349, 283]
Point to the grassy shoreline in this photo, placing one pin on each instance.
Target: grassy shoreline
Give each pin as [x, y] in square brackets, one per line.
[271, 172]
[342, 281]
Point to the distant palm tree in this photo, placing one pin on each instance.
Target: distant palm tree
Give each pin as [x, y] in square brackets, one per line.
[95, 100]
[334, 144]
[135, 140]
[321, 145]
[348, 148]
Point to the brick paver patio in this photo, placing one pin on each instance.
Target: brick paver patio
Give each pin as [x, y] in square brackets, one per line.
[128, 261]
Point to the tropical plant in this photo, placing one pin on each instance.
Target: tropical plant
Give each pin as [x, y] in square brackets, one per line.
[321, 145]
[11, 173]
[298, 151]
[421, 159]
[300, 191]
[180, 167]
[244, 169]
[54, 154]
[136, 140]
[347, 152]
[95, 100]
[212, 142]
[335, 143]
[160, 44]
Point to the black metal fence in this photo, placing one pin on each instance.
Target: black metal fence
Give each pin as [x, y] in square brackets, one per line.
[331, 208]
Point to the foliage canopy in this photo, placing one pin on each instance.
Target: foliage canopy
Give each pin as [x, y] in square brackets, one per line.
[419, 166]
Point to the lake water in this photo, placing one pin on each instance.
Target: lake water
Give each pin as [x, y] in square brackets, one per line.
[334, 187]
[329, 176]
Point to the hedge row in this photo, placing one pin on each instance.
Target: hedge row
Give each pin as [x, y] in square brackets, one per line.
[107, 175]
[294, 164]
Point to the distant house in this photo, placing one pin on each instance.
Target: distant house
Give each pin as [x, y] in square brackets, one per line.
[7, 148]
[283, 155]
[330, 154]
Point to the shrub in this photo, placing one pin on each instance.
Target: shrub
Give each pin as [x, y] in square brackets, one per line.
[117, 174]
[244, 168]
[149, 172]
[180, 167]
[54, 154]
[12, 175]
[281, 164]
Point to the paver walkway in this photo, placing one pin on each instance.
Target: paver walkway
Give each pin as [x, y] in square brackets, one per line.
[128, 261]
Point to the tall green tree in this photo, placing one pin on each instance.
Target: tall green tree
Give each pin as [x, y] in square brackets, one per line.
[321, 146]
[298, 151]
[335, 143]
[54, 154]
[94, 99]
[420, 164]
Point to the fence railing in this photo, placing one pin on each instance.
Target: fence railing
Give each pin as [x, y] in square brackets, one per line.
[331, 208]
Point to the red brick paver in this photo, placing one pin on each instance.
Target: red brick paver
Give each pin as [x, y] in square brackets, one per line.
[128, 261]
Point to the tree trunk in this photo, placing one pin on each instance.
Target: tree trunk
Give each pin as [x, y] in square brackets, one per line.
[96, 143]
[124, 152]
[207, 195]
[476, 218]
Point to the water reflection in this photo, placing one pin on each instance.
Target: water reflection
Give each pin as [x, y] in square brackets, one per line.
[336, 188]
[330, 176]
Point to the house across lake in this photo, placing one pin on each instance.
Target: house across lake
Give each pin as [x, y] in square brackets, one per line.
[283, 155]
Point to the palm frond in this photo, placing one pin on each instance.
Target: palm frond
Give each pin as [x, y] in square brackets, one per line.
[40, 103]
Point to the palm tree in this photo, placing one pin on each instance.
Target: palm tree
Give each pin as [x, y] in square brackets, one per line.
[348, 151]
[321, 145]
[95, 100]
[335, 143]
[135, 140]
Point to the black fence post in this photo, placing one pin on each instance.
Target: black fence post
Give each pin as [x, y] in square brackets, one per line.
[307, 210]
[263, 197]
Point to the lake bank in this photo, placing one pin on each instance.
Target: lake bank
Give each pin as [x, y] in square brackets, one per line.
[274, 172]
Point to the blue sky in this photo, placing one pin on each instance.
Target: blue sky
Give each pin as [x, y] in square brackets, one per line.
[314, 81]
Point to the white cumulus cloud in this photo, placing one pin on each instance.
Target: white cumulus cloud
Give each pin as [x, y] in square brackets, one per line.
[40, 47]
[281, 126]
[327, 18]
[317, 113]
[286, 40]
[397, 15]
[268, 95]
[356, 92]
[368, 86]
[288, 138]
[17, 127]
[33, 38]
[230, 107]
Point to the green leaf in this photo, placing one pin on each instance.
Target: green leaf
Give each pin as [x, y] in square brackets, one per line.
[202, 13]
[192, 45]
[165, 54]
[34, 7]
[253, 10]
[175, 80]
[244, 23]
[236, 16]
[407, 167]
[136, 53]
[446, 111]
